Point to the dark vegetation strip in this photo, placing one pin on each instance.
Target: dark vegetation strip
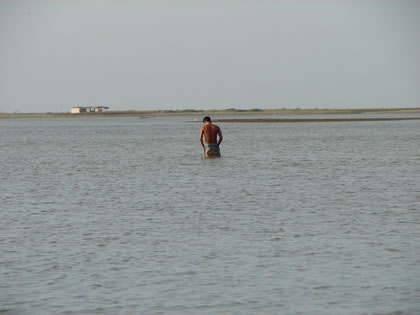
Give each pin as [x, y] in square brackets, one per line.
[229, 111]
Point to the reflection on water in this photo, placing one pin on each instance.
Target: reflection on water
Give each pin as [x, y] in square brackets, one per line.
[124, 215]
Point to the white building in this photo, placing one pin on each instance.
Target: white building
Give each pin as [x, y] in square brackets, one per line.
[88, 109]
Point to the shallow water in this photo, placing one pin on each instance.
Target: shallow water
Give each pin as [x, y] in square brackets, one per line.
[125, 216]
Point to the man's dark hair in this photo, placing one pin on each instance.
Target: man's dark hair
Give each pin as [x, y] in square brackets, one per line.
[207, 118]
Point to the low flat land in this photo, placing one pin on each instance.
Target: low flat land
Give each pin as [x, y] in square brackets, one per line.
[230, 112]
[313, 120]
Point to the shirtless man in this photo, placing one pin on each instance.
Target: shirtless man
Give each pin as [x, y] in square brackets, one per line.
[210, 132]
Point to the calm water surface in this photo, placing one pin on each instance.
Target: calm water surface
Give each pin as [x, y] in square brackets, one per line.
[125, 216]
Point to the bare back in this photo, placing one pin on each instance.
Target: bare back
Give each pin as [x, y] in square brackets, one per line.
[210, 133]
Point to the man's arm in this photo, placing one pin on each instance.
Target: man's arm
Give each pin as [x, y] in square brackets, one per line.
[219, 133]
[201, 137]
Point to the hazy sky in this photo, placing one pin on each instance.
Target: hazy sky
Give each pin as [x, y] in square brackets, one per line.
[208, 54]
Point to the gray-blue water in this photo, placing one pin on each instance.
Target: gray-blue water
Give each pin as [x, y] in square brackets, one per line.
[125, 216]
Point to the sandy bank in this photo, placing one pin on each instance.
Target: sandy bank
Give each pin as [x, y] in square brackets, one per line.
[257, 120]
[226, 112]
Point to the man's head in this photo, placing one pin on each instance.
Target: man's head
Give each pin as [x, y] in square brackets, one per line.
[207, 119]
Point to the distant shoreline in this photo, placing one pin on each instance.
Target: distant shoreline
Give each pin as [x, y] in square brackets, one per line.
[232, 111]
[313, 120]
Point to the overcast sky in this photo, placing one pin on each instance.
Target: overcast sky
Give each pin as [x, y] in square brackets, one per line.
[208, 54]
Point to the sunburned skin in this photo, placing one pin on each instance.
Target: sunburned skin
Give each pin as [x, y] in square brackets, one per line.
[210, 133]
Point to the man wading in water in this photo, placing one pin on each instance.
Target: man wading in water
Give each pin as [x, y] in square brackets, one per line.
[210, 132]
